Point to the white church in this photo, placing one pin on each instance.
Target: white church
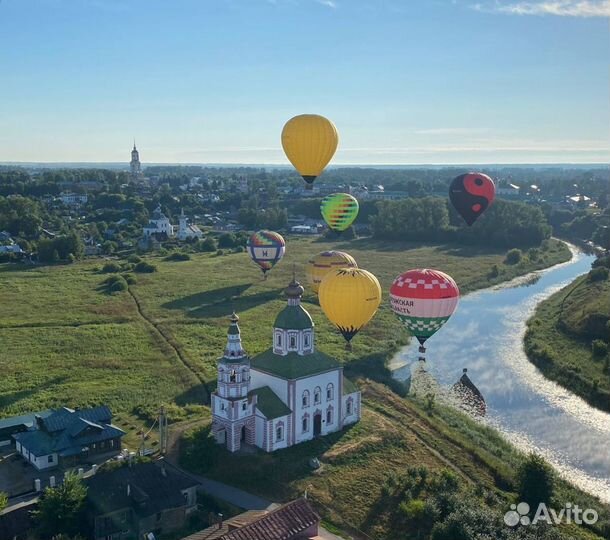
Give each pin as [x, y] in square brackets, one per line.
[286, 395]
[159, 226]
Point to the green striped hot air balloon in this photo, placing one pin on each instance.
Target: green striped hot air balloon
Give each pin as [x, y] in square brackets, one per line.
[339, 210]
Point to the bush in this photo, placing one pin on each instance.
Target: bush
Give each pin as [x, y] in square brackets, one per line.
[130, 279]
[494, 272]
[178, 256]
[134, 259]
[599, 273]
[111, 267]
[207, 245]
[513, 256]
[599, 348]
[144, 268]
[602, 261]
[220, 252]
[119, 285]
[536, 481]
[227, 240]
[533, 254]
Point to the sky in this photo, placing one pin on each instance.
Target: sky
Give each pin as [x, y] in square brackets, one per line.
[214, 81]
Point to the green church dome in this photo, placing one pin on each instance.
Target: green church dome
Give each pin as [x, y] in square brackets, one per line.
[293, 318]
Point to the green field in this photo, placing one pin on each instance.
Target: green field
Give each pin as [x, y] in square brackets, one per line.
[560, 334]
[66, 341]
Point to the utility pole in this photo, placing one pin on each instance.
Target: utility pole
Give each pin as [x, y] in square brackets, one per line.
[163, 435]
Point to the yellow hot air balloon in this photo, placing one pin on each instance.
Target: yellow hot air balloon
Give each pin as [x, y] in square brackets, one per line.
[310, 142]
[349, 298]
[324, 262]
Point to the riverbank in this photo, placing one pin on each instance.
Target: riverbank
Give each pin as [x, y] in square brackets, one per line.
[407, 465]
[560, 334]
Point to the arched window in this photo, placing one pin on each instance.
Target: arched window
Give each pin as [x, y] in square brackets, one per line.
[306, 340]
[329, 416]
[244, 406]
[317, 396]
[279, 432]
[350, 406]
[330, 390]
[293, 342]
[233, 376]
[305, 424]
[306, 398]
[278, 339]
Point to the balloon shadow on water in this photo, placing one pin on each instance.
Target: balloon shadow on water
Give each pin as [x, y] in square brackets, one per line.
[221, 302]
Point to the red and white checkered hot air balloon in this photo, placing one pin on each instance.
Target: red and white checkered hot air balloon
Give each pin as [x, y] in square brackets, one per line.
[424, 300]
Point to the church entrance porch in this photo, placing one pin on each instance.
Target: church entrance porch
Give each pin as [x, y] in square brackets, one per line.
[317, 425]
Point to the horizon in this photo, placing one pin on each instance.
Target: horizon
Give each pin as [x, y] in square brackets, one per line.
[214, 81]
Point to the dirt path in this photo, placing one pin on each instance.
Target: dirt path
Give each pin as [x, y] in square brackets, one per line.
[171, 343]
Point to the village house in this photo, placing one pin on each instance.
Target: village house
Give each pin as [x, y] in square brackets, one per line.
[67, 437]
[296, 520]
[137, 499]
[286, 395]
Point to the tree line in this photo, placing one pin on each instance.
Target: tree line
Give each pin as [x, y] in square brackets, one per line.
[432, 219]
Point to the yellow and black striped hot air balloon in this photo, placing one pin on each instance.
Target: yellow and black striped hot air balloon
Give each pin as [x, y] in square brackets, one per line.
[310, 142]
[339, 210]
[349, 298]
[324, 262]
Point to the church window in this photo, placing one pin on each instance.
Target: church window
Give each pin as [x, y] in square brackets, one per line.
[278, 340]
[244, 406]
[306, 339]
[306, 398]
[350, 406]
[222, 406]
[293, 342]
[317, 396]
[329, 392]
[233, 376]
[329, 416]
[279, 433]
[305, 424]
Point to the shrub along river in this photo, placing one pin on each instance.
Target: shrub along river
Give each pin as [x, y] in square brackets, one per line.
[485, 335]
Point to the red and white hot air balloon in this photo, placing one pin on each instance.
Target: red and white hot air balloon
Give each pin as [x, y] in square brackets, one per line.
[424, 300]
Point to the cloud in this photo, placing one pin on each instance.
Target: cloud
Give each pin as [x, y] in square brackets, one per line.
[562, 8]
[328, 3]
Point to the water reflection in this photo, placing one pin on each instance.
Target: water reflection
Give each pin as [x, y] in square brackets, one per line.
[485, 335]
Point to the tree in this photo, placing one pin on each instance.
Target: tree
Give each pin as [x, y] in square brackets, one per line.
[3, 500]
[61, 510]
[513, 256]
[536, 481]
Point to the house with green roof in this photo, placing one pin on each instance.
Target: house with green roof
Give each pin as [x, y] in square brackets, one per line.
[286, 395]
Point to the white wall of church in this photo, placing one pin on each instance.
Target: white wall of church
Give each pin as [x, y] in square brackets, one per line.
[310, 384]
[351, 402]
[258, 379]
[279, 433]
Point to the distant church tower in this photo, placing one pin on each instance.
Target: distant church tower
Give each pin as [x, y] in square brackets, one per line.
[134, 164]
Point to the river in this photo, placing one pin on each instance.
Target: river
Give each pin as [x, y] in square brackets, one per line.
[485, 335]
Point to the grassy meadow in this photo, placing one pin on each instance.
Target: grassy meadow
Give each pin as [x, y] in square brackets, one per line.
[65, 340]
[559, 341]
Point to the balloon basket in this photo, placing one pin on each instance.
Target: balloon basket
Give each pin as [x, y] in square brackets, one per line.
[348, 347]
[422, 349]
